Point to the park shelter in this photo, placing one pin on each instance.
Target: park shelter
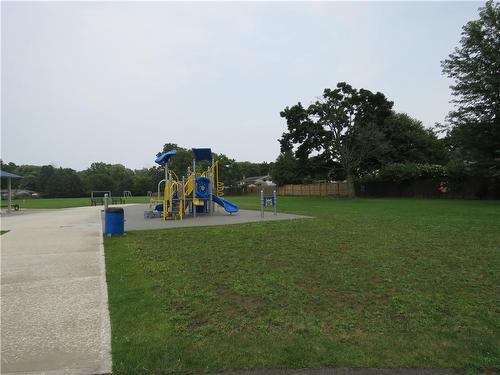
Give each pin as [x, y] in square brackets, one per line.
[9, 176]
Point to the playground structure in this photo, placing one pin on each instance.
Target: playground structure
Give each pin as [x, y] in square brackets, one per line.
[196, 193]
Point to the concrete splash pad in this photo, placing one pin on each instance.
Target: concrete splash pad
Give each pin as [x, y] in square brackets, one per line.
[134, 219]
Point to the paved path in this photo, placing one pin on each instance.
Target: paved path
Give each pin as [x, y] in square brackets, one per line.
[54, 314]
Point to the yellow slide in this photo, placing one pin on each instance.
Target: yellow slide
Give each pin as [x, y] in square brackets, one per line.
[188, 191]
[188, 186]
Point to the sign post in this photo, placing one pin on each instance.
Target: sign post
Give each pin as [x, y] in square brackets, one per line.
[267, 201]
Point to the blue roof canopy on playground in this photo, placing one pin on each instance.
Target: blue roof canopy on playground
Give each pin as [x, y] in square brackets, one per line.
[164, 158]
[201, 154]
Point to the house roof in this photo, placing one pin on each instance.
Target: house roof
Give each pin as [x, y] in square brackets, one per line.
[252, 179]
[5, 174]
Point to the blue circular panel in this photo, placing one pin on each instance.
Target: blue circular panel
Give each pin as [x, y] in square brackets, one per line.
[202, 187]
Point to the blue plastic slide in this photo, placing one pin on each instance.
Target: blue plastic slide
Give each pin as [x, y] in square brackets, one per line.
[228, 206]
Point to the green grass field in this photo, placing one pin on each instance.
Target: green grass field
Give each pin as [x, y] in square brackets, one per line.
[384, 283]
[65, 202]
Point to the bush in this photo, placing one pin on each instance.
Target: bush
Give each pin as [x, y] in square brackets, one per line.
[459, 169]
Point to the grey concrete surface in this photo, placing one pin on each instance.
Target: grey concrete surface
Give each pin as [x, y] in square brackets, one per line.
[134, 218]
[23, 211]
[54, 313]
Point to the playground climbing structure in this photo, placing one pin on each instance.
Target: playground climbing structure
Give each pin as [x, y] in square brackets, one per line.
[196, 193]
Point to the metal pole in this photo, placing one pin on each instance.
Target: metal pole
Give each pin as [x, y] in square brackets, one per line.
[274, 201]
[215, 175]
[159, 184]
[105, 201]
[194, 186]
[183, 190]
[210, 191]
[165, 212]
[183, 201]
[216, 180]
[10, 195]
[262, 204]
[170, 203]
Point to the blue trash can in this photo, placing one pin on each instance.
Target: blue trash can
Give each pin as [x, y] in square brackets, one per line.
[114, 221]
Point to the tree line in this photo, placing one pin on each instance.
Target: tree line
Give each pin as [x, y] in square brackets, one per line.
[53, 182]
[351, 134]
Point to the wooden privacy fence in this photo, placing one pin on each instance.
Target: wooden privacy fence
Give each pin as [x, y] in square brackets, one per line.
[336, 189]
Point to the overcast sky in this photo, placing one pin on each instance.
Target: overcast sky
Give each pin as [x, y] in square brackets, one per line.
[113, 82]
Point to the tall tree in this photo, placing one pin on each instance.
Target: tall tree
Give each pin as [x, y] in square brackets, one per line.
[145, 180]
[344, 126]
[409, 141]
[64, 183]
[97, 177]
[475, 68]
[31, 175]
[228, 171]
[46, 173]
[248, 169]
[286, 169]
[122, 178]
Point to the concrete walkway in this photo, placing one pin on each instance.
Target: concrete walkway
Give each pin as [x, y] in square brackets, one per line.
[54, 314]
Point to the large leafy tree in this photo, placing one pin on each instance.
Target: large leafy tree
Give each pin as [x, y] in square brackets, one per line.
[406, 140]
[228, 169]
[344, 125]
[145, 180]
[103, 176]
[475, 68]
[63, 183]
[409, 141]
[97, 177]
[286, 169]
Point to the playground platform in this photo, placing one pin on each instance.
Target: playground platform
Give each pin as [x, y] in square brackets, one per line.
[134, 218]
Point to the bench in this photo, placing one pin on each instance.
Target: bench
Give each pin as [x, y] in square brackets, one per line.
[117, 200]
[96, 201]
[112, 200]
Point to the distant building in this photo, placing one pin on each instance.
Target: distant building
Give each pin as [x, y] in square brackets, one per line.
[254, 182]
